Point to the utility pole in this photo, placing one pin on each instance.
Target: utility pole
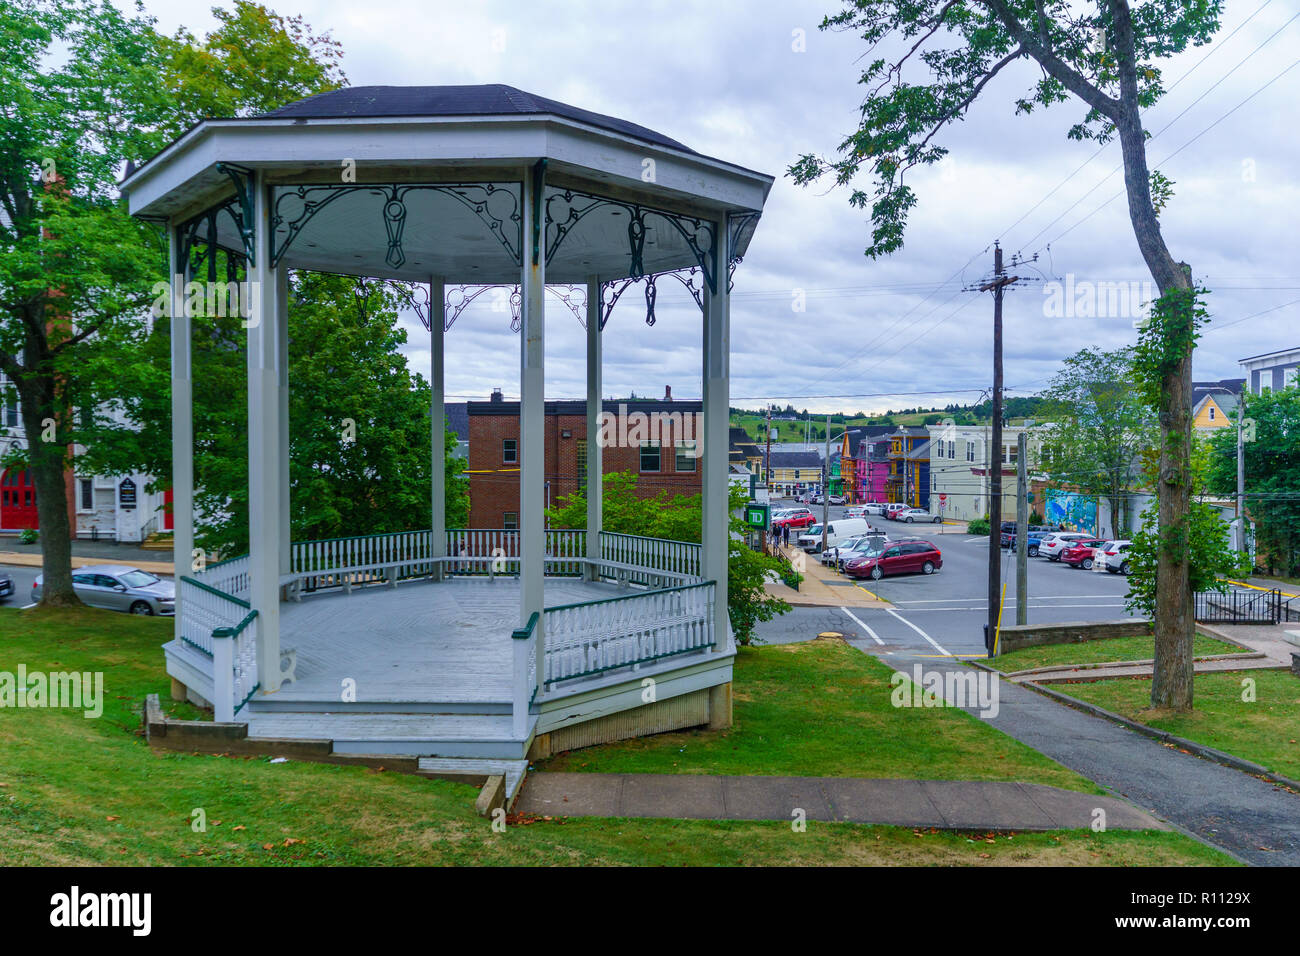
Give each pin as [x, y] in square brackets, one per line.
[996, 284]
[1241, 472]
[1022, 529]
[767, 475]
[826, 483]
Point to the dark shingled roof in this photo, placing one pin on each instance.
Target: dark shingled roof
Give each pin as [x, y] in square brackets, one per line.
[796, 459]
[457, 416]
[493, 99]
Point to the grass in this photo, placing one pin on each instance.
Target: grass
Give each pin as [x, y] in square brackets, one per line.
[78, 791]
[783, 691]
[1264, 730]
[1098, 652]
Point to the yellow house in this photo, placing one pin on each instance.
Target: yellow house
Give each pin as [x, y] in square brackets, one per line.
[1214, 404]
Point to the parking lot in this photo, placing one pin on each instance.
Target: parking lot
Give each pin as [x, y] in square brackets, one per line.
[943, 614]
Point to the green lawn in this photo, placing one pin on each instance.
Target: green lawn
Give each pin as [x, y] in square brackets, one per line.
[79, 791]
[1266, 731]
[1098, 652]
[823, 708]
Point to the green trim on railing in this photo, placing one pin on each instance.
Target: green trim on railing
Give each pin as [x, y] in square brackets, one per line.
[629, 597]
[363, 537]
[221, 594]
[240, 706]
[646, 537]
[237, 629]
[198, 647]
[525, 632]
[224, 561]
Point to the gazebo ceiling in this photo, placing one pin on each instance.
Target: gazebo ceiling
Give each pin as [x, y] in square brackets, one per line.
[408, 182]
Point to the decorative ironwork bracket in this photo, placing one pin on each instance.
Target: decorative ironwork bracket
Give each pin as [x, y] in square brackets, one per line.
[738, 226]
[458, 297]
[477, 197]
[190, 237]
[566, 208]
[611, 291]
[539, 186]
[243, 181]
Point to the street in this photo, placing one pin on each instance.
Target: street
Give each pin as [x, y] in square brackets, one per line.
[944, 614]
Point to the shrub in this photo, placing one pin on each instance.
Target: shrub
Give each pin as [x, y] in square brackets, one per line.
[29, 536]
[979, 526]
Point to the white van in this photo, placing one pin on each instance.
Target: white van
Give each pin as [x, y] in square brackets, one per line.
[836, 531]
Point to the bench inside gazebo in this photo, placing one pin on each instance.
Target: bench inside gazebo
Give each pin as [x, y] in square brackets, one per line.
[463, 647]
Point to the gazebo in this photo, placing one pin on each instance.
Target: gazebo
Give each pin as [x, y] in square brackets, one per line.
[459, 646]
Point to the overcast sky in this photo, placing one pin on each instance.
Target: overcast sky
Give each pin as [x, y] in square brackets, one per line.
[725, 79]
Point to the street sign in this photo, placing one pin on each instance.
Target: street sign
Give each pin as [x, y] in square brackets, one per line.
[756, 515]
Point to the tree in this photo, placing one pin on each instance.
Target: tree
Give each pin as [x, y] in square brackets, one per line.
[679, 517]
[79, 84]
[1099, 425]
[1272, 475]
[1106, 54]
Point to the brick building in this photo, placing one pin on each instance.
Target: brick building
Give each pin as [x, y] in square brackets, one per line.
[658, 441]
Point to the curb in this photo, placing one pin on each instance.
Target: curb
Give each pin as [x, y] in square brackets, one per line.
[1199, 750]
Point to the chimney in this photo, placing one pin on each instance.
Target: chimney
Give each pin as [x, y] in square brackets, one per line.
[668, 393]
[497, 397]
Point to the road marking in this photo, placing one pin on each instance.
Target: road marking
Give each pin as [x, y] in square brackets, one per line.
[932, 641]
[981, 607]
[27, 607]
[862, 624]
[980, 597]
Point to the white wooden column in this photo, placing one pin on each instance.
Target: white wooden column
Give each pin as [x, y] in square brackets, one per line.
[532, 421]
[437, 421]
[717, 373]
[282, 352]
[182, 424]
[265, 446]
[595, 467]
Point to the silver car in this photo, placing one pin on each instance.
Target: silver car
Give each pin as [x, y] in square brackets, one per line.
[120, 587]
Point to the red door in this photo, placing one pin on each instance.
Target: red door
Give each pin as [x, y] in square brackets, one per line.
[167, 510]
[17, 501]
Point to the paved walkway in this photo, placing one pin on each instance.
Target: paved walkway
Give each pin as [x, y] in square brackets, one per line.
[1074, 673]
[126, 554]
[943, 804]
[1254, 820]
[822, 586]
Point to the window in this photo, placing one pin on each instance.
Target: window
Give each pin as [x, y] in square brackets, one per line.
[650, 453]
[510, 521]
[1212, 413]
[87, 488]
[1010, 454]
[580, 456]
[510, 451]
[686, 455]
[970, 450]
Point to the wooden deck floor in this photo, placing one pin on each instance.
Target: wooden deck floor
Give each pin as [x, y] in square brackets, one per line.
[423, 641]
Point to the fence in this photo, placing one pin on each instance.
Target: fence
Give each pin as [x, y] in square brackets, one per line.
[1239, 606]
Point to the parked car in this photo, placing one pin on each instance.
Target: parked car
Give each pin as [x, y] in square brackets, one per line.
[836, 500]
[841, 529]
[913, 515]
[893, 508]
[855, 511]
[795, 518]
[6, 586]
[898, 557]
[1035, 539]
[853, 548]
[1056, 542]
[1082, 554]
[119, 587]
[874, 508]
[1115, 554]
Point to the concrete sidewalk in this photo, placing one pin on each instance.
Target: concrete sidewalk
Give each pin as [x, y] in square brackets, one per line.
[821, 586]
[942, 804]
[1076, 673]
[125, 555]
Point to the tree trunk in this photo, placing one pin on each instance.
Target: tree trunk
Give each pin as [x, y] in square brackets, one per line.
[48, 462]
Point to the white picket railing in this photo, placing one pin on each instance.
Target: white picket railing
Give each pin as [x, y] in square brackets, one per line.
[335, 561]
[496, 550]
[598, 636]
[203, 609]
[218, 625]
[659, 554]
[230, 576]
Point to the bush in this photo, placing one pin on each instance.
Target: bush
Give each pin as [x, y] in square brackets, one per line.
[979, 526]
[29, 536]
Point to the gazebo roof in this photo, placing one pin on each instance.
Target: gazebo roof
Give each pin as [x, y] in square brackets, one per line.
[409, 182]
[491, 99]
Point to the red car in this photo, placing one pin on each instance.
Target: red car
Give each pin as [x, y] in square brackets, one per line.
[802, 518]
[899, 557]
[1080, 554]
[892, 509]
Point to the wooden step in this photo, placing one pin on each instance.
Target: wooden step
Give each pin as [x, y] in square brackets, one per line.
[482, 736]
[284, 701]
[477, 769]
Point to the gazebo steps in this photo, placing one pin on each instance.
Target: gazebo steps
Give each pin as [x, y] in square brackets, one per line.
[479, 736]
[276, 703]
[460, 767]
